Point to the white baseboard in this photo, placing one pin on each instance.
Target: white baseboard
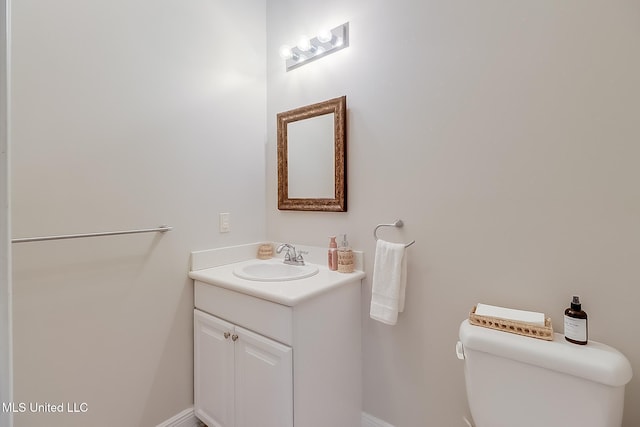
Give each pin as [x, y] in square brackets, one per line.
[185, 418]
[371, 421]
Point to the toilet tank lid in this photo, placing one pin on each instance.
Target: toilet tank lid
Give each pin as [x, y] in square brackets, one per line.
[595, 361]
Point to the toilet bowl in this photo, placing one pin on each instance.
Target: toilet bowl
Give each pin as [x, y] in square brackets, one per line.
[513, 380]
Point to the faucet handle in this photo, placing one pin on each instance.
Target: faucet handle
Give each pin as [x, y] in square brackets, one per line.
[299, 258]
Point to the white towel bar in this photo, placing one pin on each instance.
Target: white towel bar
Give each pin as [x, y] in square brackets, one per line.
[160, 229]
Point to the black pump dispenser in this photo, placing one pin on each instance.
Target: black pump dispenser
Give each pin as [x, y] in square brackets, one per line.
[575, 303]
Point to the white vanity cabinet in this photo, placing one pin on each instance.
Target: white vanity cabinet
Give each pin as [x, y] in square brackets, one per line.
[292, 364]
[241, 378]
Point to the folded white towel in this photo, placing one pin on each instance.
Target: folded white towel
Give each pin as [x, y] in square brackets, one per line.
[389, 282]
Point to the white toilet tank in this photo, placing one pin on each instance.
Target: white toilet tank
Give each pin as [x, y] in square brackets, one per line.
[517, 381]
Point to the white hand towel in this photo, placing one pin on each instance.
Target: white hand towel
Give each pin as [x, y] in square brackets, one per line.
[389, 282]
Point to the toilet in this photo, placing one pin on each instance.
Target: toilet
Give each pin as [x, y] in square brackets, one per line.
[518, 381]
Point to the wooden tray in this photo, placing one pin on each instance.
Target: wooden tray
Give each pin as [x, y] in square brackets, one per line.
[527, 329]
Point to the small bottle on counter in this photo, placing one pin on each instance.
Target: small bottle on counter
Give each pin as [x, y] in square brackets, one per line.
[332, 254]
[576, 328]
[345, 257]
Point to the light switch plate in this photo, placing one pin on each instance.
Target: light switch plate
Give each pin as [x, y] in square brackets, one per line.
[225, 225]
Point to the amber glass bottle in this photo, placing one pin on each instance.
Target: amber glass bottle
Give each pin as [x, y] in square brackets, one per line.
[576, 328]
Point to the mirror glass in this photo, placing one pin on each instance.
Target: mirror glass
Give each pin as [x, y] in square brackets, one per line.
[311, 157]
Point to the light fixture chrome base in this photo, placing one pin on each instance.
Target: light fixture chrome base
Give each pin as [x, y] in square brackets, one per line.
[339, 40]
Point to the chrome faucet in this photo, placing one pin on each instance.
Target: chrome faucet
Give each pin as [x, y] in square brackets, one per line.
[291, 257]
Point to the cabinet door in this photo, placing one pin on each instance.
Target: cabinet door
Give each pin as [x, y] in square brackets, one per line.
[264, 381]
[213, 370]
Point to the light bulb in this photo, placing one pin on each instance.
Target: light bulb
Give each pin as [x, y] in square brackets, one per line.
[285, 52]
[304, 44]
[325, 36]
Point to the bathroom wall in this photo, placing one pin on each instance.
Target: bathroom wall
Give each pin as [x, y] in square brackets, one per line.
[505, 135]
[5, 278]
[126, 114]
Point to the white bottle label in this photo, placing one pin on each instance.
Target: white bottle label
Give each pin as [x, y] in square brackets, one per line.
[575, 329]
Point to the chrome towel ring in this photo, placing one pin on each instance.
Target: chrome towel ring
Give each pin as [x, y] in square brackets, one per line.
[398, 223]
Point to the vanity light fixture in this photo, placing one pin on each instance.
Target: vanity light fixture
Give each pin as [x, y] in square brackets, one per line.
[307, 50]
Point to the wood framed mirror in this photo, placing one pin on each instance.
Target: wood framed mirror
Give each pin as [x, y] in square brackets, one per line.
[312, 157]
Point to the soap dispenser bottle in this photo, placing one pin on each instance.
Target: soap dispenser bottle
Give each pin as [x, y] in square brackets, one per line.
[345, 257]
[576, 328]
[332, 255]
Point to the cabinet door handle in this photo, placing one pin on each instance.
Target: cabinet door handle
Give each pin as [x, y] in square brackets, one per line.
[227, 335]
[234, 337]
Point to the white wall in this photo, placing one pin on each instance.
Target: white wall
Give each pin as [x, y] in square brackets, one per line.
[5, 251]
[126, 114]
[505, 135]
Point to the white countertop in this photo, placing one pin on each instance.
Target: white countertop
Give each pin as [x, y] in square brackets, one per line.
[288, 293]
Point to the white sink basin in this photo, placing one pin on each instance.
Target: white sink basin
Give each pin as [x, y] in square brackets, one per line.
[274, 271]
